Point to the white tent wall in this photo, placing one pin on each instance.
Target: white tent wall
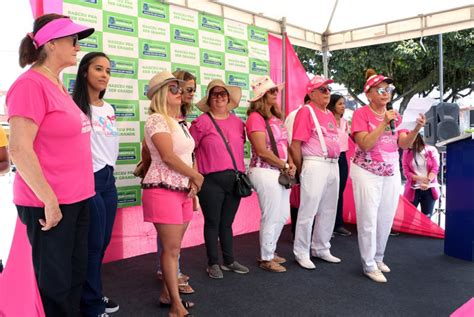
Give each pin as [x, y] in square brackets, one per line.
[353, 23]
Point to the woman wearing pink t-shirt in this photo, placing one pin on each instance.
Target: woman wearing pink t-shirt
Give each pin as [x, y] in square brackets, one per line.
[218, 200]
[50, 146]
[171, 181]
[337, 107]
[265, 166]
[315, 151]
[375, 171]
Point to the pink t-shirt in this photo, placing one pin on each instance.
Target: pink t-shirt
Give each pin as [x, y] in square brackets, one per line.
[256, 123]
[343, 131]
[62, 142]
[211, 152]
[183, 147]
[305, 131]
[383, 158]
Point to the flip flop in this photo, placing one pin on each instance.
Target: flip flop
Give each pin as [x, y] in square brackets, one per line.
[185, 303]
[185, 288]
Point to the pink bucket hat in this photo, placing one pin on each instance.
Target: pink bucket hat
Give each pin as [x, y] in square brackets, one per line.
[261, 85]
[316, 82]
[374, 80]
[59, 28]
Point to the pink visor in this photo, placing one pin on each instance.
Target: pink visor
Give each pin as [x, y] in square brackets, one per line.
[60, 28]
[374, 80]
[316, 82]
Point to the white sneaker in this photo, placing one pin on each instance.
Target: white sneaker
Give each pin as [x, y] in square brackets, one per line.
[383, 267]
[328, 258]
[376, 276]
[305, 263]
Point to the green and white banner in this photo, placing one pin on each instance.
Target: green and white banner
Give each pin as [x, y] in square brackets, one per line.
[143, 38]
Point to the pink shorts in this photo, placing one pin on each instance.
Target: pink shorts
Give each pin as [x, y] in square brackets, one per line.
[162, 205]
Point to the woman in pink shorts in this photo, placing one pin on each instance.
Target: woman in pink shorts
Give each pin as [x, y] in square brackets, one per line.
[171, 182]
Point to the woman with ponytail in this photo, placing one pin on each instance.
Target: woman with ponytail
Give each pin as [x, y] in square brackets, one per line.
[50, 146]
[375, 171]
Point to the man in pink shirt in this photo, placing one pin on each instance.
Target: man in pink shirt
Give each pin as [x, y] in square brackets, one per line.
[315, 149]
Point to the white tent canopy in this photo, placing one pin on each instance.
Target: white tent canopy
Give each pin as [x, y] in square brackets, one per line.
[338, 24]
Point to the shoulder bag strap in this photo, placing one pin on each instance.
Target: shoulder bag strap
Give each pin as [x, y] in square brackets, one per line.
[272, 138]
[224, 139]
[320, 133]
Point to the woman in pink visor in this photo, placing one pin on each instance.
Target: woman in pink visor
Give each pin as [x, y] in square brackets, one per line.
[375, 171]
[50, 146]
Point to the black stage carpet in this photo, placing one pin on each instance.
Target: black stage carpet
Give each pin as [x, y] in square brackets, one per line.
[423, 282]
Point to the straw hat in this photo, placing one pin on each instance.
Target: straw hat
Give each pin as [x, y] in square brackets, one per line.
[235, 93]
[263, 84]
[158, 81]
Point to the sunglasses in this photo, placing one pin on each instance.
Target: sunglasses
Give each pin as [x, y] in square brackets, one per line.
[189, 90]
[221, 94]
[324, 90]
[75, 40]
[388, 89]
[273, 91]
[174, 90]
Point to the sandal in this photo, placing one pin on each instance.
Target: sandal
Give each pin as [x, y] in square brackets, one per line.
[185, 303]
[184, 287]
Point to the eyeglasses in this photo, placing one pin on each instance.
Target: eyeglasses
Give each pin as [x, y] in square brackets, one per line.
[189, 90]
[324, 90]
[75, 40]
[388, 89]
[218, 94]
[174, 90]
[273, 91]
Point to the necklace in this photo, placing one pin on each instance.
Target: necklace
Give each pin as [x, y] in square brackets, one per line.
[380, 115]
[53, 74]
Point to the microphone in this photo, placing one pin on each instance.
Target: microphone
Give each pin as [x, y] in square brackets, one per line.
[392, 122]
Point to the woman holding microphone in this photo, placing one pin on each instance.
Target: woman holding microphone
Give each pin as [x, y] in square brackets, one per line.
[375, 171]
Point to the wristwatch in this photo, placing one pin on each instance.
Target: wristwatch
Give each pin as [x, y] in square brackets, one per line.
[287, 166]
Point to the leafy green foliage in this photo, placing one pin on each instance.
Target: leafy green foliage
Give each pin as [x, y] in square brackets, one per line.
[413, 64]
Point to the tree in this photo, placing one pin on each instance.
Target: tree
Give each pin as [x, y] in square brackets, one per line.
[413, 64]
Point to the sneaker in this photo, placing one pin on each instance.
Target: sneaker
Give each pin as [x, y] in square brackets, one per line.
[214, 271]
[272, 266]
[394, 233]
[278, 259]
[383, 267]
[235, 267]
[110, 305]
[328, 258]
[376, 276]
[305, 263]
[342, 232]
[103, 315]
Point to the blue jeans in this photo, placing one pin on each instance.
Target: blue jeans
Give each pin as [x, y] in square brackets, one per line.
[103, 207]
[425, 198]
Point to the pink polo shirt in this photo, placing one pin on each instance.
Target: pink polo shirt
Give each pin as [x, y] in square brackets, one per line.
[256, 123]
[304, 130]
[382, 159]
[211, 153]
[343, 131]
[62, 142]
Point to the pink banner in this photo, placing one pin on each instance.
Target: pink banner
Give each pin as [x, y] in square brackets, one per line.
[296, 79]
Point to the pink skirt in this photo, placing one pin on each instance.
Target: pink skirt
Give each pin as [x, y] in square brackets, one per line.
[162, 205]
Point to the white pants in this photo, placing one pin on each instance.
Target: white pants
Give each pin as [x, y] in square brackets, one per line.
[376, 201]
[318, 203]
[274, 201]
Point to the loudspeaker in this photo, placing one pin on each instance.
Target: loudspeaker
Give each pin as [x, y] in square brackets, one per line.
[442, 122]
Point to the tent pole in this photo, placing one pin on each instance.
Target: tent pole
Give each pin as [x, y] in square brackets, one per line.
[283, 66]
[441, 68]
[325, 57]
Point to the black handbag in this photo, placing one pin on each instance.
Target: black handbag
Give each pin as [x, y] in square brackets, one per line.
[243, 186]
[284, 179]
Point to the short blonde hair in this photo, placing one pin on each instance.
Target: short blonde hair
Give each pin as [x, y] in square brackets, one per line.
[159, 105]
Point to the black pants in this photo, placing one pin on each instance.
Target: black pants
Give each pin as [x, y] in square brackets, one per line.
[425, 199]
[343, 173]
[219, 206]
[59, 256]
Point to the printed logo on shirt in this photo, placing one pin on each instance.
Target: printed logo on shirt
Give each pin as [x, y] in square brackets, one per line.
[85, 123]
[331, 126]
[105, 125]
